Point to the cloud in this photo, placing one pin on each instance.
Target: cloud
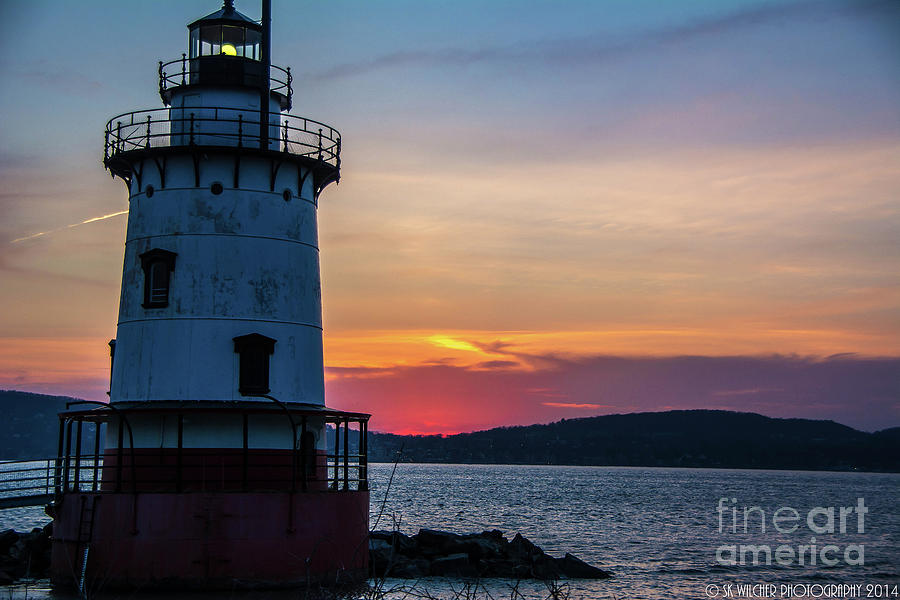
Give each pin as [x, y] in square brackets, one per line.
[496, 364]
[747, 392]
[598, 49]
[578, 406]
[45, 74]
[453, 343]
[358, 372]
[860, 392]
[85, 222]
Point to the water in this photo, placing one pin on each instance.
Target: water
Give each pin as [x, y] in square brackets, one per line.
[657, 530]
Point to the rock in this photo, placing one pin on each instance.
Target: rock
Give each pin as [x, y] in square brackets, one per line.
[7, 539]
[392, 553]
[486, 545]
[436, 543]
[485, 554]
[401, 543]
[574, 567]
[521, 547]
[381, 556]
[410, 569]
[17, 550]
[453, 565]
[506, 568]
[377, 545]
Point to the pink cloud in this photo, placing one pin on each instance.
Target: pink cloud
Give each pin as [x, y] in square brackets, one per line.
[860, 392]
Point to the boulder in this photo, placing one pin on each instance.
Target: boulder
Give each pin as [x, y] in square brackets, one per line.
[415, 568]
[485, 554]
[456, 565]
[485, 545]
[505, 568]
[402, 544]
[545, 567]
[575, 568]
[438, 543]
[7, 539]
[381, 556]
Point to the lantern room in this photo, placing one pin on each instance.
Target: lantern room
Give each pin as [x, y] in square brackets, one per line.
[225, 32]
[224, 51]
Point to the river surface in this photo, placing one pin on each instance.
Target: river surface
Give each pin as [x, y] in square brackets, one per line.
[663, 533]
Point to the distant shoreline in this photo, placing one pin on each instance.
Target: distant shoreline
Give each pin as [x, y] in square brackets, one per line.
[682, 468]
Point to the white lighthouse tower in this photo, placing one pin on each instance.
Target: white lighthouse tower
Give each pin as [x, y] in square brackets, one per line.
[216, 461]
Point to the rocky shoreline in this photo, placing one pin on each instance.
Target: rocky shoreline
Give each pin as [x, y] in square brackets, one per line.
[24, 555]
[486, 554]
[391, 554]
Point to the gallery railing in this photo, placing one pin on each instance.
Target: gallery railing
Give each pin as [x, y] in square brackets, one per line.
[338, 462]
[187, 471]
[37, 482]
[220, 126]
[26, 482]
[184, 71]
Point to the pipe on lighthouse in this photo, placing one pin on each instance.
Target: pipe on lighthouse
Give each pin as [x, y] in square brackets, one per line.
[266, 56]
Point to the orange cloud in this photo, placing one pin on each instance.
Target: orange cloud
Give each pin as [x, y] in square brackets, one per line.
[76, 367]
[575, 405]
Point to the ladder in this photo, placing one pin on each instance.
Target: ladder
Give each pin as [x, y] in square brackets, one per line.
[85, 534]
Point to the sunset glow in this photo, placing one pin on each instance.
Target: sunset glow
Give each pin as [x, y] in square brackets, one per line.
[589, 211]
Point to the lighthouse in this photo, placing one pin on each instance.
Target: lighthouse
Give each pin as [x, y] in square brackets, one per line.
[216, 462]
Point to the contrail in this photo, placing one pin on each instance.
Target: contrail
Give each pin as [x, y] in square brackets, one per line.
[85, 222]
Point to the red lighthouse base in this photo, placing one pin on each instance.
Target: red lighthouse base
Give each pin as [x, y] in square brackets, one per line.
[210, 518]
[213, 540]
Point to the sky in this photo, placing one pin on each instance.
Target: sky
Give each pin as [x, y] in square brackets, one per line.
[548, 209]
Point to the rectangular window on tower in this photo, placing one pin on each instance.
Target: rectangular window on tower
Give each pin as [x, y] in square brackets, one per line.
[254, 351]
[157, 265]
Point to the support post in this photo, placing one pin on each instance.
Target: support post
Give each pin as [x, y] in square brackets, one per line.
[179, 456]
[337, 452]
[363, 455]
[266, 51]
[304, 459]
[77, 478]
[119, 455]
[59, 457]
[95, 485]
[68, 453]
[244, 485]
[346, 454]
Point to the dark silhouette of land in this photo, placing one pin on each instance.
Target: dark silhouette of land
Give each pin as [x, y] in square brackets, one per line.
[679, 438]
[29, 427]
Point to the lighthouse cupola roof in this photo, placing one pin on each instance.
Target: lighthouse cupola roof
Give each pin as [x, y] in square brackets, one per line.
[227, 14]
[225, 32]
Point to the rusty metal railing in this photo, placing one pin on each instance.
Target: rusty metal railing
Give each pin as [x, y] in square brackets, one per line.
[184, 71]
[26, 482]
[220, 126]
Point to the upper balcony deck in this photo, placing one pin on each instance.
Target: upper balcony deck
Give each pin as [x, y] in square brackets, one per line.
[225, 71]
[131, 136]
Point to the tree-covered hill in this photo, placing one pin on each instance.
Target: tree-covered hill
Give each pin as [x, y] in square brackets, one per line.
[681, 438]
[29, 427]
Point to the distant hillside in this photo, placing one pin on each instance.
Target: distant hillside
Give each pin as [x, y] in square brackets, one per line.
[29, 428]
[681, 438]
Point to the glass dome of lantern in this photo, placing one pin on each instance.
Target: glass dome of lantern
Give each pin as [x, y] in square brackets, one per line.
[225, 32]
